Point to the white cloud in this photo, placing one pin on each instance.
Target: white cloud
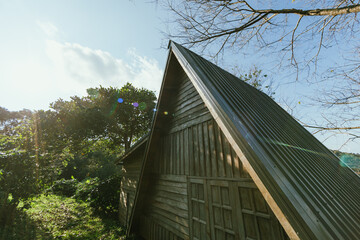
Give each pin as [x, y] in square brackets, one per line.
[48, 28]
[83, 67]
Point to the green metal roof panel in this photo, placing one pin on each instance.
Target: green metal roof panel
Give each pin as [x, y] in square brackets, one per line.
[317, 193]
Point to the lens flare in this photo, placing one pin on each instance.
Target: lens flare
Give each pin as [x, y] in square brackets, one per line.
[113, 109]
[142, 106]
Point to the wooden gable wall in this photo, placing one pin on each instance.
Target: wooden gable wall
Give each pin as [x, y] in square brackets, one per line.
[198, 188]
[130, 177]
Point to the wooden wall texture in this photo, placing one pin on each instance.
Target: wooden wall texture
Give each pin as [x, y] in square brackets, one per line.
[200, 189]
[130, 177]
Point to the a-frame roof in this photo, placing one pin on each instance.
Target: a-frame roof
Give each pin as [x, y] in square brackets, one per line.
[309, 190]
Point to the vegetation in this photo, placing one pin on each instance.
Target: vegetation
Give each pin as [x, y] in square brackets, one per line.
[255, 78]
[69, 152]
[59, 217]
[350, 159]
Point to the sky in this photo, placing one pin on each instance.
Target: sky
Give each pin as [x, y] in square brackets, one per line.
[57, 49]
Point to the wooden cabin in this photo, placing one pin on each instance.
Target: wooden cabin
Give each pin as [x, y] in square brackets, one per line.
[224, 161]
[131, 163]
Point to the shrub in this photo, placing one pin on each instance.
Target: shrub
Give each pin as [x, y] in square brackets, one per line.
[85, 187]
[105, 197]
[64, 187]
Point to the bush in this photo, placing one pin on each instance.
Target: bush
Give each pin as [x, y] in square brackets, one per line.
[105, 197]
[85, 188]
[58, 217]
[64, 187]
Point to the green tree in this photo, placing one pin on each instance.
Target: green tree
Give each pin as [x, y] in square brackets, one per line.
[18, 161]
[128, 112]
[85, 134]
[257, 79]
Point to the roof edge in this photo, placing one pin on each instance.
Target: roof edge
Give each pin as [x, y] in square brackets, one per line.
[133, 148]
[150, 137]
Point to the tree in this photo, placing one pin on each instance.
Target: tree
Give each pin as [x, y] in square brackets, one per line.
[128, 112]
[81, 137]
[255, 78]
[119, 115]
[18, 162]
[300, 34]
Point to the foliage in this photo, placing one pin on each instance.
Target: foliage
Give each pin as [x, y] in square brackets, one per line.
[22, 228]
[95, 163]
[103, 116]
[350, 159]
[128, 111]
[85, 188]
[104, 198]
[18, 161]
[257, 79]
[77, 141]
[66, 188]
[101, 194]
[56, 217]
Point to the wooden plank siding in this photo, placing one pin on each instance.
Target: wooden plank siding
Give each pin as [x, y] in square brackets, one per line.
[130, 177]
[199, 188]
[167, 207]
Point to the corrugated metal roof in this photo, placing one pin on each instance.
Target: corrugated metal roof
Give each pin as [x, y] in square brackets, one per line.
[319, 196]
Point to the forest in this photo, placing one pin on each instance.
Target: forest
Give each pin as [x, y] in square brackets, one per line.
[58, 172]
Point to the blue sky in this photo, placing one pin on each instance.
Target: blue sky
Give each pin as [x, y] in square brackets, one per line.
[57, 49]
[53, 49]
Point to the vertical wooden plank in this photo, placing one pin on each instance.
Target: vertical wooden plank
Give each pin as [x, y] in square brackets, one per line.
[228, 159]
[219, 152]
[211, 214]
[171, 159]
[237, 213]
[178, 147]
[167, 156]
[156, 167]
[166, 150]
[206, 194]
[191, 151]
[159, 166]
[212, 146]
[201, 150]
[207, 149]
[256, 224]
[186, 151]
[177, 157]
[181, 152]
[195, 151]
[191, 235]
[236, 165]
